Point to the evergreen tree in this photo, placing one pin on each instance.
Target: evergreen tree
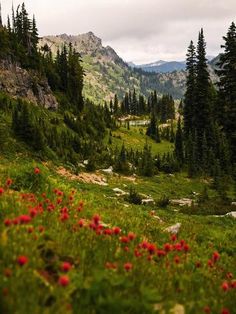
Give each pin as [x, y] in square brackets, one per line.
[153, 130]
[179, 149]
[189, 97]
[203, 113]
[227, 87]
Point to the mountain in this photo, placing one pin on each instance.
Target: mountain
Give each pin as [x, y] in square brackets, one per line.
[162, 66]
[107, 74]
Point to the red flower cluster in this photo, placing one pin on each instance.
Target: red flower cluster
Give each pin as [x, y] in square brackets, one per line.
[36, 170]
[128, 266]
[66, 266]
[63, 281]
[22, 260]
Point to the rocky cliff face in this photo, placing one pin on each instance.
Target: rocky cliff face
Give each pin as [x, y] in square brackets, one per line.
[18, 82]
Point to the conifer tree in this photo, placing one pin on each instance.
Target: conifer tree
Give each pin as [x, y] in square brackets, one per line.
[189, 98]
[179, 149]
[227, 87]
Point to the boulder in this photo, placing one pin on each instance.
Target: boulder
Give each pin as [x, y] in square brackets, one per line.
[182, 202]
[119, 192]
[148, 201]
[174, 229]
[108, 170]
[231, 214]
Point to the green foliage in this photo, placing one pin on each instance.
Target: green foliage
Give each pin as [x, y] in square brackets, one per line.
[163, 202]
[134, 197]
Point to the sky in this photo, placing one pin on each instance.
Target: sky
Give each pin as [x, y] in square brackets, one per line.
[141, 31]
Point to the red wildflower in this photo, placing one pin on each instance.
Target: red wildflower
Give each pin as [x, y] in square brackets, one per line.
[161, 253]
[186, 247]
[128, 266]
[182, 242]
[22, 260]
[107, 232]
[7, 272]
[64, 216]
[174, 237]
[1, 191]
[151, 248]
[64, 281]
[126, 249]
[233, 284]
[30, 229]
[137, 253]
[81, 223]
[207, 309]
[59, 193]
[131, 236]
[215, 256]
[24, 219]
[225, 286]
[124, 239]
[178, 247]
[33, 212]
[41, 229]
[36, 170]
[92, 225]
[167, 247]
[225, 311]
[176, 259]
[66, 266]
[144, 245]
[7, 222]
[15, 221]
[96, 219]
[9, 182]
[229, 275]
[59, 201]
[198, 264]
[210, 263]
[116, 230]
[109, 265]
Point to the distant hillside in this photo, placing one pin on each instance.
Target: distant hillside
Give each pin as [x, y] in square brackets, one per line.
[167, 66]
[162, 66]
[107, 74]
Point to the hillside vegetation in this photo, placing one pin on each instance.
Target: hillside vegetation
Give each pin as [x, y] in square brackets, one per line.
[97, 214]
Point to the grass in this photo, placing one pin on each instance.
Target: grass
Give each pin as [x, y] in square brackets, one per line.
[135, 138]
[108, 275]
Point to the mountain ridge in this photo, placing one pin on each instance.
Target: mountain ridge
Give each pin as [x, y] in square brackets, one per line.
[107, 74]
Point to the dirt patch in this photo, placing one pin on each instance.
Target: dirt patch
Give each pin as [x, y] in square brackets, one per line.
[84, 177]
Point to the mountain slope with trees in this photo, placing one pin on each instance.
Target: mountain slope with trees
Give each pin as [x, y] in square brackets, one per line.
[106, 74]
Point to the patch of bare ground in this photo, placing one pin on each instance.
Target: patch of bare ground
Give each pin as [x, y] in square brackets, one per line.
[93, 178]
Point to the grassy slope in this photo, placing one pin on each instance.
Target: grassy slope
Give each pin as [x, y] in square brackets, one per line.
[159, 283]
[93, 288]
[135, 138]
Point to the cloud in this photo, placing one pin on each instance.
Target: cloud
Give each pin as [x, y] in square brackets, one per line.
[140, 30]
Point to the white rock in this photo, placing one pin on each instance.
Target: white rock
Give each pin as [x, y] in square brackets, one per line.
[231, 214]
[108, 170]
[119, 192]
[148, 201]
[233, 203]
[182, 202]
[174, 229]
[158, 218]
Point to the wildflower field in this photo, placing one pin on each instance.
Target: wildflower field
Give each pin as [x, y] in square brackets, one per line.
[67, 248]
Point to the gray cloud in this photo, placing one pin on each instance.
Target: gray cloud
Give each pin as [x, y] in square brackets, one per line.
[140, 30]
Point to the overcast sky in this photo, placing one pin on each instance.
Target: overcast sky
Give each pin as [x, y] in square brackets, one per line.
[141, 31]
